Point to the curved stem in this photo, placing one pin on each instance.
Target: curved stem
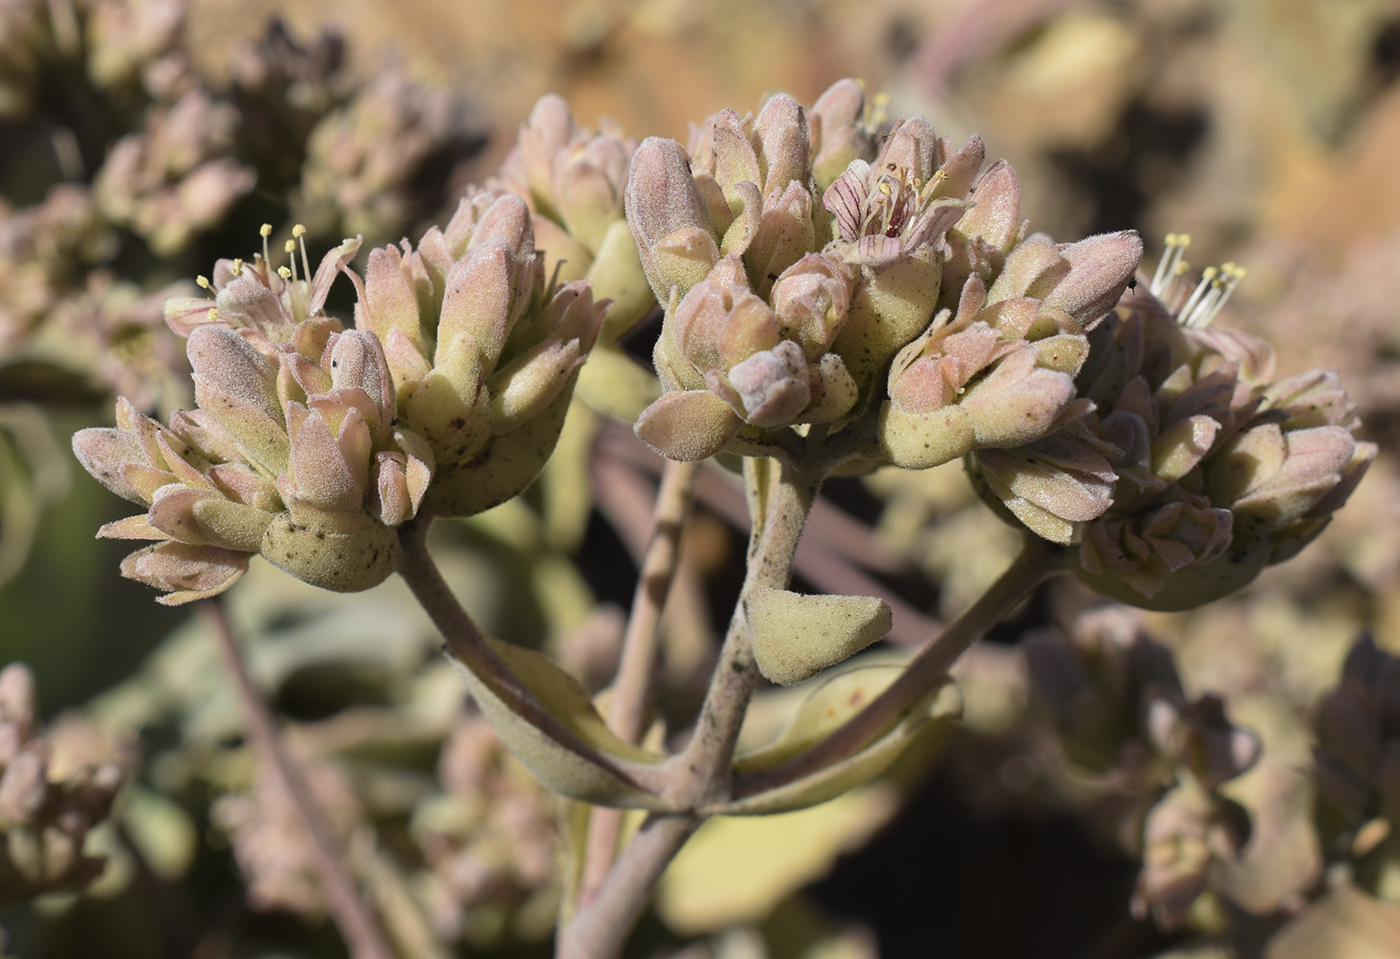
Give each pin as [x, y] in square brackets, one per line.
[780, 497]
[352, 915]
[632, 688]
[465, 642]
[627, 711]
[1037, 562]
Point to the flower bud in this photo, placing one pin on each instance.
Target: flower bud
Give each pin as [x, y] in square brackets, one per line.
[842, 130]
[771, 372]
[675, 234]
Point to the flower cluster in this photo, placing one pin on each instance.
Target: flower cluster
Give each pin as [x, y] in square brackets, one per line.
[177, 177]
[573, 180]
[1119, 712]
[269, 837]
[788, 298]
[294, 451]
[483, 352]
[55, 785]
[366, 161]
[312, 442]
[489, 839]
[1188, 476]
[153, 156]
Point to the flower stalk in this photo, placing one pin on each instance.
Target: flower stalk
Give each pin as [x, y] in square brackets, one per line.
[352, 914]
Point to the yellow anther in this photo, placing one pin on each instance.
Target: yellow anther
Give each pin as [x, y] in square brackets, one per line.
[202, 282]
[290, 246]
[1210, 272]
[213, 314]
[237, 268]
[265, 230]
[284, 273]
[1170, 240]
[298, 231]
[1183, 239]
[1181, 268]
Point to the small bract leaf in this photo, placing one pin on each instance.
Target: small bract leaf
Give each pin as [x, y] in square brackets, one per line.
[923, 441]
[796, 636]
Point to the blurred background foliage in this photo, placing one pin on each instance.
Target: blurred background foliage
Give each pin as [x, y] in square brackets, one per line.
[141, 139]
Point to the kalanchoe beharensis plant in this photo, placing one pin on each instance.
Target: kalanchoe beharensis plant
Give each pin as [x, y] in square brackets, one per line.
[837, 296]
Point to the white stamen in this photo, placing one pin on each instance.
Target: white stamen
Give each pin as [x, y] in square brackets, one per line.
[299, 231]
[1198, 296]
[1168, 267]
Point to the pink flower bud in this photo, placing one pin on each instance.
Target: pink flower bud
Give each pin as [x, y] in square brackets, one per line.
[663, 207]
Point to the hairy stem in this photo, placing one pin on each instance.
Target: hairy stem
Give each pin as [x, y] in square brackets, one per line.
[352, 916]
[465, 642]
[780, 497]
[1037, 562]
[632, 688]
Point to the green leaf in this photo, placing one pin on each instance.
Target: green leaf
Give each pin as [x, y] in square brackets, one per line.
[796, 636]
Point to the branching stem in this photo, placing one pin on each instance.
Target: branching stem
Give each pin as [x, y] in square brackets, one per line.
[599, 930]
[780, 497]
